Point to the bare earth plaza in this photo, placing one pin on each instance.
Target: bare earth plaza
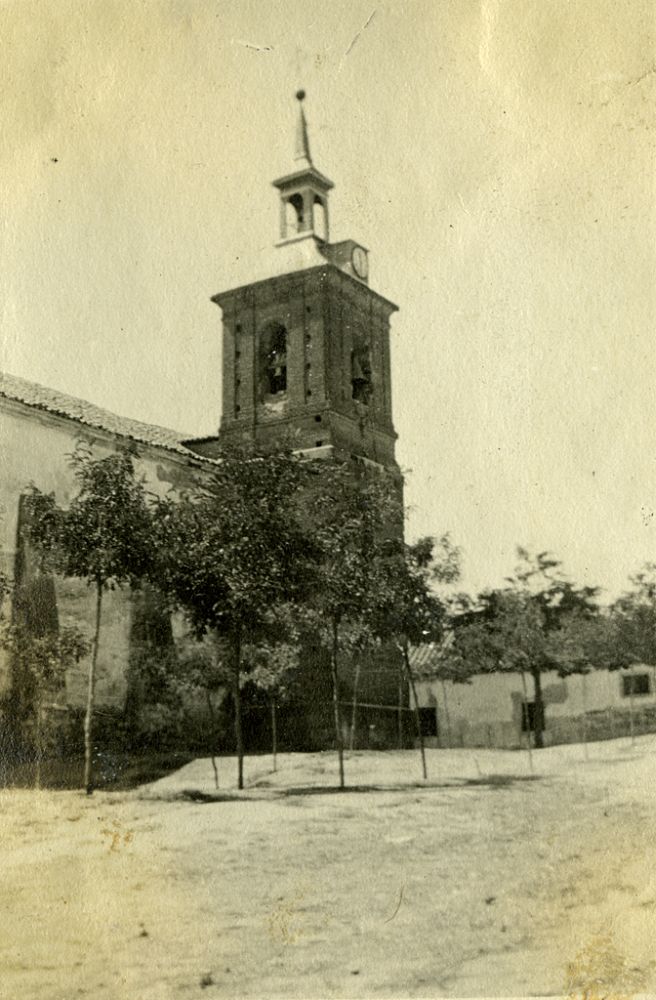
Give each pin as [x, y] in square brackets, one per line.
[348, 690]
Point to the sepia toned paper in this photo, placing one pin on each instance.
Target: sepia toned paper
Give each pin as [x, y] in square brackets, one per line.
[496, 158]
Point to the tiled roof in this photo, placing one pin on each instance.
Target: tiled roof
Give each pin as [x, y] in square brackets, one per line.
[41, 398]
[424, 657]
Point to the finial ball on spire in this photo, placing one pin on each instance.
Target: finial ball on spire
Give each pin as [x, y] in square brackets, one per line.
[300, 95]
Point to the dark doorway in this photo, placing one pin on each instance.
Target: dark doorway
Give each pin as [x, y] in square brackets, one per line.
[530, 717]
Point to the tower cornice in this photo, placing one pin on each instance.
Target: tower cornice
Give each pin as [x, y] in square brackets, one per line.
[299, 177]
[323, 274]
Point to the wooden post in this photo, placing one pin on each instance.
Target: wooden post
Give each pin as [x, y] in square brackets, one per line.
[91, 695]
[210, 709]
[447, 717]
[336, 711]
[274, 734]
[584, 717]
[420, 735]
[526, 720]
[354, 712]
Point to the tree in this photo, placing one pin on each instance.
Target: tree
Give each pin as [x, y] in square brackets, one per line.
[357, 641]
[202, 673]
[408, 610]
[42, 662]
[513, 629]
[272, 669]
[634, 614]
[232, 549]
[583, 643]
[104, 537]
[356, 521]
[634, 619]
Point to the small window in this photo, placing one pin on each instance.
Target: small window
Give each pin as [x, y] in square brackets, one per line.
[319, 444]
[633, 684]
[428, 721]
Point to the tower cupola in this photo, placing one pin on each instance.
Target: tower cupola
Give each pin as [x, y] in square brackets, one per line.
[304, 192]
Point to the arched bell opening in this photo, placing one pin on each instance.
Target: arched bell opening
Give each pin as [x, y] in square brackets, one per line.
[361, 374]
[320, 218]
[273, 361]
[295, 220]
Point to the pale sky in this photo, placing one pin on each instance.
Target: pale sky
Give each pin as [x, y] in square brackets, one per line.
[497, 158]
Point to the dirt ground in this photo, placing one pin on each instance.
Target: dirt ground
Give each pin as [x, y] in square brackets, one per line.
[489, 880]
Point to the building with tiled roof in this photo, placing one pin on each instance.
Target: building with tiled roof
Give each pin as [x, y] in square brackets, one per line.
[39, 430]
[40, 397]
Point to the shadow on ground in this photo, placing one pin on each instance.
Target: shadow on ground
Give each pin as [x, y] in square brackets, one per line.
[263, 790]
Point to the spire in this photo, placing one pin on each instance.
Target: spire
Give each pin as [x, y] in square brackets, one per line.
[304, 192]
[302, 151]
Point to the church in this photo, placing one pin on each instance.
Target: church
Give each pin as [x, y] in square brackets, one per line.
[306, 359]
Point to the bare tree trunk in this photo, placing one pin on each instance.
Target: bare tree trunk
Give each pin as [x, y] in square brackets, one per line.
[274, 733]
[584, 717]
[420, 735]
[210, 709]
[526, 721]
[239, 732]
[38, 736]
[539, 708]
[399, 713]
[91, 696]
[336, 711]
[446, 713]
[354, 712]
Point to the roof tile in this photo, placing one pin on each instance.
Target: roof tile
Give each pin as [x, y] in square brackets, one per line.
[83, 412]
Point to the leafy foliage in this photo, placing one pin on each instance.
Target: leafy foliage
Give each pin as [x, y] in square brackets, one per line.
[634, 618]
[539, 622]
[356, 522]
[104, 537]
[45, 658]
[41, 662]
[232, 550]
[234, 547]
[409, 611]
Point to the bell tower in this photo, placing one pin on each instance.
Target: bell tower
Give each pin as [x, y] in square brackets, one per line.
[306, 350]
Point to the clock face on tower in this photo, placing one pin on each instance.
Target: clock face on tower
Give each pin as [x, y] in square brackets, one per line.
[360, 262]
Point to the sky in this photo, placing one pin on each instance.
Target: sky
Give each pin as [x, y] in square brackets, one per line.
[495, 156]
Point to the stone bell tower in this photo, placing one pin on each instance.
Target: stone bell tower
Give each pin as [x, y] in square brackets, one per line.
[306, 351]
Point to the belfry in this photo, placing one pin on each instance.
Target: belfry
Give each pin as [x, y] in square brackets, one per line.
[306, 351]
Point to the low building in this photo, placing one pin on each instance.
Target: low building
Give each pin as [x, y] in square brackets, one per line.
[495, 710]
